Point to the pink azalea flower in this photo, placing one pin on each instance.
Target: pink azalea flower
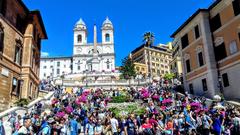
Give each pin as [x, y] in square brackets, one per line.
[69, 109]
[60, 114]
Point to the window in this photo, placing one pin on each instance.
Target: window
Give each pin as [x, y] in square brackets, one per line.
[184, 41]
[1, 39]
[58, 64]
[18, 55]
[220, 52]
[14, 85]
[200, 59]
[51, 67]
[236, 7]
[79, 38]
[108, 64]
[188, 66]
[58, 71]
[196, 31]
[3, 5]
[64, 66]
[233, 47]
[204, 84]
[215, 23]
[225, 80]
[239, 36]
[44, 67]
[79, 67]
[107, 38]
[191, 88]
[44, 74]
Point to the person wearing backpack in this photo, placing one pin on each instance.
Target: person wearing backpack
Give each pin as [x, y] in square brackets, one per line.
[45, 127]
[73, 125]
[90, 127]
[206, 123]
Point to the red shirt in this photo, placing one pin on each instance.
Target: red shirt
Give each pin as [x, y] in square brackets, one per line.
[146, 126]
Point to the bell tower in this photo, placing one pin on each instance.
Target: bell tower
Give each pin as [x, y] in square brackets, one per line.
[107, 32]
[80, 33]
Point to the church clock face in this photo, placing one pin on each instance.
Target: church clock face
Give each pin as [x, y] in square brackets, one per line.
[79, 50]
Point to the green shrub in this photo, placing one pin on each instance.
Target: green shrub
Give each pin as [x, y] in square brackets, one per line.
[120, 99]
[22, 102]
[128, 109]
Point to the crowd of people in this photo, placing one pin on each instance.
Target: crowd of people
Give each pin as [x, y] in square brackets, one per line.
[84, 111]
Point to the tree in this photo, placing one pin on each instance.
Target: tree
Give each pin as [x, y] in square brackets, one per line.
[148, 38]
[127, 68]
[169, 76]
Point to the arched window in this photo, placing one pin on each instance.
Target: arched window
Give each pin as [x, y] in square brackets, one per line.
[107, 37]
[1, 38]
[79, 38]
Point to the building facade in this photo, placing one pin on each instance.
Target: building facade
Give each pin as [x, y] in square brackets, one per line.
[21, 32]
[140, 68]
[154, 60]
[94, 59]
[210, 50]
[52, 67]
[97, 57]
[176, 63]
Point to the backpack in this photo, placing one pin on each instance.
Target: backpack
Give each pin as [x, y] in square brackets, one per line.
[41, 130]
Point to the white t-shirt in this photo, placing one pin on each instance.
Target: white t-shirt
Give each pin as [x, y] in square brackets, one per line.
[114, 124]
[23, 130]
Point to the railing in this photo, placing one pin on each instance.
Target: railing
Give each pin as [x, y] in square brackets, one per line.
[107, 83]
[22, 110]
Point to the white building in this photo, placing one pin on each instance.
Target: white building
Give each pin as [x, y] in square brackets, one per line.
[95, 56]
[87, 57]
[55, 67]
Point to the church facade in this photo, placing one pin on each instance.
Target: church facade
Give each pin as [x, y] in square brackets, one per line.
[96, 57]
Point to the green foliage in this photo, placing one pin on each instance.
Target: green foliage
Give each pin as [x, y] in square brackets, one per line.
[22, 102]
[128, 110]
[120, 99]
[148, 38]
[127, 68]
[169, 76]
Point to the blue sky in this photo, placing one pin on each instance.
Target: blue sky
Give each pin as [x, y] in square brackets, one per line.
[131, 19]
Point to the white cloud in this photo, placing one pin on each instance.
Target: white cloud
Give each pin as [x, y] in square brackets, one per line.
[44, 54]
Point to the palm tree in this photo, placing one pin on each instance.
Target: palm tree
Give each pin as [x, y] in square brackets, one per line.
[148, 38]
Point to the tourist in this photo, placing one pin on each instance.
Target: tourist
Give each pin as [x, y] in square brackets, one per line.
[146, 128]
[2, 130]
[114, 124]
[25, 129]
[73, 125]
[46, 127]
[131, 125]
[90, 127]
[98, 128]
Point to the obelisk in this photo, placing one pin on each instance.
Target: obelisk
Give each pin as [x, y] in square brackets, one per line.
[95, 61]
[95, 41]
